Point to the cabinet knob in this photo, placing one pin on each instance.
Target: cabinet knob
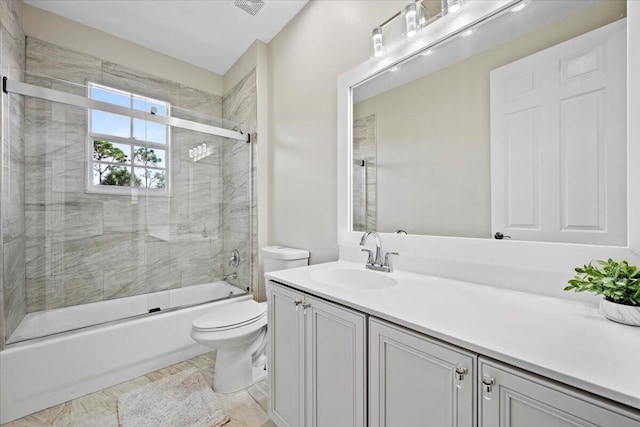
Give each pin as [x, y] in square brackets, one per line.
[487, 386]
[297, 303]
[305, 305]
[460, 372]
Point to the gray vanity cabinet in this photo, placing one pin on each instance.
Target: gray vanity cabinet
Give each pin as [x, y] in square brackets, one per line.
[317, 356]
[317, 377]
[511, 397]
[417, 381]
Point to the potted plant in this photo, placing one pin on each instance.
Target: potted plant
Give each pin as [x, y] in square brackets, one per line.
[618, 282]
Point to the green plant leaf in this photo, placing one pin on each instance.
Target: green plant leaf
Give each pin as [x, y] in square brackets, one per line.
[617, 281]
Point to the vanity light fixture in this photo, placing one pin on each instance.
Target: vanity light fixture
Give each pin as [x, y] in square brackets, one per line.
[520, 6]
[376, 38]
[451, 6]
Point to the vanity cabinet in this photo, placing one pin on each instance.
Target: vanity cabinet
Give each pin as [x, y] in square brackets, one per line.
[317, 361]
[511, 397]
[417, 381]
[318, 377]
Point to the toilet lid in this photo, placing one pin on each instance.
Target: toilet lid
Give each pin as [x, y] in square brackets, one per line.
[229, 315]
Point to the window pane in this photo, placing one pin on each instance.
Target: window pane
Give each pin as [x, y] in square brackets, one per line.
[152, 157]
[149, 178]
[111, 175]
[106, 151]
[149, 131]
[111, 97]
[110, 124]
[159, 108]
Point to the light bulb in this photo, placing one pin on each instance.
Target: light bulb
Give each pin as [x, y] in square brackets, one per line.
[453, 6]
[378, 47]
[410, 13]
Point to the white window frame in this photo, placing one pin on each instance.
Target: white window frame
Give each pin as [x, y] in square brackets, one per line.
[131, 141]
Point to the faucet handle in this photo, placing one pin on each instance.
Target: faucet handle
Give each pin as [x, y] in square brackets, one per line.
[386, 258]
[370, 252]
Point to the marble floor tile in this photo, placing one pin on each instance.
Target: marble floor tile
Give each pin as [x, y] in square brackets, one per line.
[247, 408]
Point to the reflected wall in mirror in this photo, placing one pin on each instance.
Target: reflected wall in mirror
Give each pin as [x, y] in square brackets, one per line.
[517, 127]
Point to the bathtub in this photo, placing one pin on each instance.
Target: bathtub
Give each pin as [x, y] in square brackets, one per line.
[100, 351]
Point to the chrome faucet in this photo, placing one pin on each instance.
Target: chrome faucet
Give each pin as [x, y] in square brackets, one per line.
[375, 262]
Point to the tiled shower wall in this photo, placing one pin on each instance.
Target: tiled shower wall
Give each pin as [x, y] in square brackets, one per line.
[364, 149]
[12, 239]
[83, 247]
[239, 105]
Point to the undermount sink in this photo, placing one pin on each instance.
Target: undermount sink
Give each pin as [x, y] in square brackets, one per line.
[354, 278]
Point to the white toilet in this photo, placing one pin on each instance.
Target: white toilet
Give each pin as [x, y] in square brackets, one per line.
[239, 329]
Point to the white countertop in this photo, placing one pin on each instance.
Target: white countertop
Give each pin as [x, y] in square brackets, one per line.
[568, 341]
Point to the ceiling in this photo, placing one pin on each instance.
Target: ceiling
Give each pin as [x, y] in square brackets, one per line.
[211, 34]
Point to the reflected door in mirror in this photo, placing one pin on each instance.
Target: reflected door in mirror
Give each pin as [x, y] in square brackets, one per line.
[558, 142]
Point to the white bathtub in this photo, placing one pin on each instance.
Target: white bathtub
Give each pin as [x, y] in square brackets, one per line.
[49, 322]
[43, 372]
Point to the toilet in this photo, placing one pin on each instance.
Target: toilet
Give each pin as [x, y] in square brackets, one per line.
[238, 330]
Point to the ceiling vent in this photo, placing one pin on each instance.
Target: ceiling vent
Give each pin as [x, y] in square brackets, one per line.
[252, 7]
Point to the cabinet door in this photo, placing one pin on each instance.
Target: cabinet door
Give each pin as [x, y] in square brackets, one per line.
[286, 356]
[414, 382]
[524, 400]
[335, 365]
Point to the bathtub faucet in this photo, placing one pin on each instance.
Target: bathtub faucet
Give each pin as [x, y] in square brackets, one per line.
[231, 276]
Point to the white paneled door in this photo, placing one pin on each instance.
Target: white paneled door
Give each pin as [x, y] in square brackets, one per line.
[558, 142]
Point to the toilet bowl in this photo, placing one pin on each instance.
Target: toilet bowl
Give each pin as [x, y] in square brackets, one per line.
[239, 330]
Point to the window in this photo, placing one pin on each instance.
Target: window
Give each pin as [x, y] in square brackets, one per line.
[127, 152]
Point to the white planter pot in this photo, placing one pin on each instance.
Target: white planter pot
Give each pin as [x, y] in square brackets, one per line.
[627, 314]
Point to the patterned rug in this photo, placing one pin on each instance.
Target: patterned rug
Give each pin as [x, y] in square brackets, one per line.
[183, 399]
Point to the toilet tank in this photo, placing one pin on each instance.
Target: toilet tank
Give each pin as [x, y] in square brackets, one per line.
[281, 258]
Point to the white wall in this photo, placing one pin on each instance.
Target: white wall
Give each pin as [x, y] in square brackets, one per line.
[72, 35]
[633, 85]
[305, 59]
[247, 62]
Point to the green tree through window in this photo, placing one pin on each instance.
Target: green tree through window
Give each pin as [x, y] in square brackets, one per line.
[126, 151]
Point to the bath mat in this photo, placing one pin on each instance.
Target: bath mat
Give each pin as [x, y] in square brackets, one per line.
[183, 399]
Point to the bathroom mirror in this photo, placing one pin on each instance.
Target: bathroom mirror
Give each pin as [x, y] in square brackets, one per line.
[513, 127]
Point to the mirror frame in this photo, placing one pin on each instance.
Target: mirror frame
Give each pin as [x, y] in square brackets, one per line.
[519, 254]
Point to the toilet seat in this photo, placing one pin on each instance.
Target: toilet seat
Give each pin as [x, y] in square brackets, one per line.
[231, 316]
